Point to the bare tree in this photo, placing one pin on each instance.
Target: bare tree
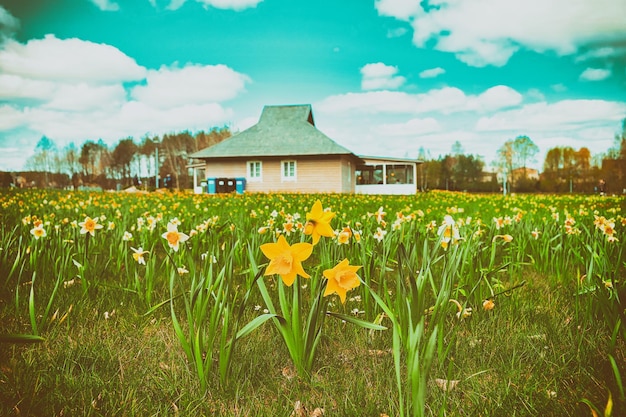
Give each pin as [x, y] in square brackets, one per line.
[43, 158]
[524, 151]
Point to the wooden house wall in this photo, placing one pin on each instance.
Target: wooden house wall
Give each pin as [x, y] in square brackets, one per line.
[313, 175]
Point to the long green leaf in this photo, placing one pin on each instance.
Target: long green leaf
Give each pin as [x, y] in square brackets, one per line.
[159, 305]
[618, 376]
[31, 306]
[382, 305]
[20, 338]
[254, 324]
[355, 320]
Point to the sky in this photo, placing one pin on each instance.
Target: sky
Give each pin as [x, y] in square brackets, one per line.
[384, 77]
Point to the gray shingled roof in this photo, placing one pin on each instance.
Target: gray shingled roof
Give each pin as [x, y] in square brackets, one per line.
[281, 131]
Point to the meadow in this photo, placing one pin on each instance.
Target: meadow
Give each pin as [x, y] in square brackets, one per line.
[441, 303]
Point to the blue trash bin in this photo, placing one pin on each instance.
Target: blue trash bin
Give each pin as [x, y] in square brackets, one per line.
[210, 184]
[240, 185]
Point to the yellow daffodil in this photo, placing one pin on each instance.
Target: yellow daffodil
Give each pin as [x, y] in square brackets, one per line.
[138, 255]
[38, 231]
[286, 260]
[499, 221]
[488, 305]
[379, 214]
[288, 228]
[506, 238]
[343, 237]
[609, 228]
[89, 226]
[448, 231]
[341, 279]
[173, 236]
[463, 312]
[379, 235]
[318, 222]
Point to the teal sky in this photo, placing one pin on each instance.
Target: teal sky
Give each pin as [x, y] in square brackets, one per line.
[385, 77]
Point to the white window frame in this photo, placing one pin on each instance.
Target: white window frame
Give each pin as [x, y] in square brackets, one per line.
[284, 177]
[250, 173]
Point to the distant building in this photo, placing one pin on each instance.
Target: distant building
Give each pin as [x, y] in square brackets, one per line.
[285, 152]
[528, 173]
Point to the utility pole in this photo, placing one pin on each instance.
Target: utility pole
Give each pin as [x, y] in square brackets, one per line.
[156, 163]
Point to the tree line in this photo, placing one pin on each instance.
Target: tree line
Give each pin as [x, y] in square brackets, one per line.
[127, 163]
[565, 169]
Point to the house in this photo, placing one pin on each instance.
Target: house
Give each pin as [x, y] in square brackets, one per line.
[285, 152]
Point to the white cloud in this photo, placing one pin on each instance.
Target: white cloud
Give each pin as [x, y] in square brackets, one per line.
[495, 98]
[412, 127]
[14, 87]
[601, 53]
[106, 5]
[244, 124]
[489, 32]
[559, 116]
[193, 84]
[445, 100]
[175, 4]
[558, 88]
[432, 72]
[369, 102]
[8, 23]
[397, 32]
[595, 74]
[70, 60]
[378, 76]
[84, 97]
[391, 123]
[10, 118]
[74, 90]
[62, 96]
[535, 94]
[400, 9]
[131, 119]
[192, 117]
[232, 4]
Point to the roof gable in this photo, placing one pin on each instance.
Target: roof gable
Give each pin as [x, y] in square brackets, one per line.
[281, 131]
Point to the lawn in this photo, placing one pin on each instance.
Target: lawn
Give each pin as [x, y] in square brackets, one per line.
[119, 304]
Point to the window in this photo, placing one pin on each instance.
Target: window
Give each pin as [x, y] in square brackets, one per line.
[400, 174]
[288, 171]
[254, 171]
[393, 174]
[369, 174]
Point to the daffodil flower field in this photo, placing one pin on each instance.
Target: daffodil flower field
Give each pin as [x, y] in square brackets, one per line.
[440, 303]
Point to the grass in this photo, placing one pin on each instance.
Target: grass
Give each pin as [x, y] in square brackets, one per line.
[529, 356]
[540, 351]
